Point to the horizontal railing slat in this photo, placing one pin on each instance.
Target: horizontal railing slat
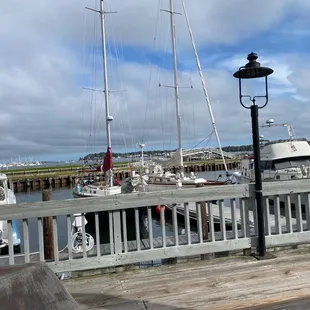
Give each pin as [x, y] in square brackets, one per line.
[136, 200]
[122, 201]
[285, 187]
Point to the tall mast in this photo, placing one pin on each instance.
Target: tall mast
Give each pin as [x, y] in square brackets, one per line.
[105, 81]
[204, 86]
[105, 73]
[176, 85]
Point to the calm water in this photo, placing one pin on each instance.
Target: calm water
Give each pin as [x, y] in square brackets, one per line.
[66, 193]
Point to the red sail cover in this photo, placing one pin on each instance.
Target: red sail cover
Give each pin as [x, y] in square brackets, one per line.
[107, 162]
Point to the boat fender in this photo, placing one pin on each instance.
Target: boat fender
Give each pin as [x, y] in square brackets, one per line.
[159, 207]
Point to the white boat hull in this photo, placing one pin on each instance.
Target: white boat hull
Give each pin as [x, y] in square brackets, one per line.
[8, 197]
[267, 176]
[96, 191]
[242, 179]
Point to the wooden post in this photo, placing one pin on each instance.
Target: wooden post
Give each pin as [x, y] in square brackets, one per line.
[48, 229]
[204, 221]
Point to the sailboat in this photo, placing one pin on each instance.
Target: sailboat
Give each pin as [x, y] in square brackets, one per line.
[7, 196]
[155, 176]
[84, 188]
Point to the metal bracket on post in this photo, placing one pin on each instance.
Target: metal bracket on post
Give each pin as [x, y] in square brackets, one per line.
[168, 86]
[98, 11]
[102, 91]
[171, 12]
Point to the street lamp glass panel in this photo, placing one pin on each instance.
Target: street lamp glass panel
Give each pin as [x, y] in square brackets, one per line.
[252, 73]
[252, 69]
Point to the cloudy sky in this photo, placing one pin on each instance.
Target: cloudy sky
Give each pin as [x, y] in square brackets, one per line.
[50, 50]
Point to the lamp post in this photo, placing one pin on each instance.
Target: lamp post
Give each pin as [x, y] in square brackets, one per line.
[253, 70]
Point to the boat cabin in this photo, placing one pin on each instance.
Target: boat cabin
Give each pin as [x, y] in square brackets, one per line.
[290, 155]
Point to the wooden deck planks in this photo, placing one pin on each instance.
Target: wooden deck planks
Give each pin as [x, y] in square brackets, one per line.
[233, 283]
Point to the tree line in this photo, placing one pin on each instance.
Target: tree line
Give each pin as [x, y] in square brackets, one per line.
[100, 155]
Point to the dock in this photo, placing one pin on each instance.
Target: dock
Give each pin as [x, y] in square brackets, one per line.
[223, 211]
[227, 283]
[238, 280]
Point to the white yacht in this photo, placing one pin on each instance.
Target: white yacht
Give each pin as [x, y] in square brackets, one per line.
[287, 159]
[7, 196]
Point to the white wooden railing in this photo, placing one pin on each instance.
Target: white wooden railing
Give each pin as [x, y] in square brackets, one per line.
[232, 224]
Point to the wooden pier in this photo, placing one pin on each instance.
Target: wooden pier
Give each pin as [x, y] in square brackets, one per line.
[39, 182]
[112, 212]
[203, 167]
[228, 283]
[217, 284]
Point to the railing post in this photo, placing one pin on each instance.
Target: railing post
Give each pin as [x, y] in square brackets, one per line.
[117, 232]
[204, 219]
[48, 229]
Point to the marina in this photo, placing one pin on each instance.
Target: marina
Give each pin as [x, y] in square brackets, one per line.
[63, 177]
[139, 177]
[65, 192]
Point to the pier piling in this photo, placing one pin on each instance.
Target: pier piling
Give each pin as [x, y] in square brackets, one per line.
[48, 228]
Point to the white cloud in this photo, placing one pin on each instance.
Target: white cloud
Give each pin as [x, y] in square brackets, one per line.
[44, 110]
[218, 21]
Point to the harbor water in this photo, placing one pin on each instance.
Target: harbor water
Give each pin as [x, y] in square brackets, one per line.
[66, 193]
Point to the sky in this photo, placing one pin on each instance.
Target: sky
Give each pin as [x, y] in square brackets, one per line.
[51, 54]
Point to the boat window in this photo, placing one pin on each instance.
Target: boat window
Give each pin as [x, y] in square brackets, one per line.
[284, 165]
[266, 165]
[263, 164]
[292, 162]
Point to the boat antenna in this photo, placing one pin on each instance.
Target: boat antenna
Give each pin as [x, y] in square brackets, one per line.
[290, 131]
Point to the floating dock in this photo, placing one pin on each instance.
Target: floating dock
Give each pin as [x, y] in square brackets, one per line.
[227, 215]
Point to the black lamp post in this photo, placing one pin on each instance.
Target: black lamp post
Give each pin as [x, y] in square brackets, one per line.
[253, 70]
